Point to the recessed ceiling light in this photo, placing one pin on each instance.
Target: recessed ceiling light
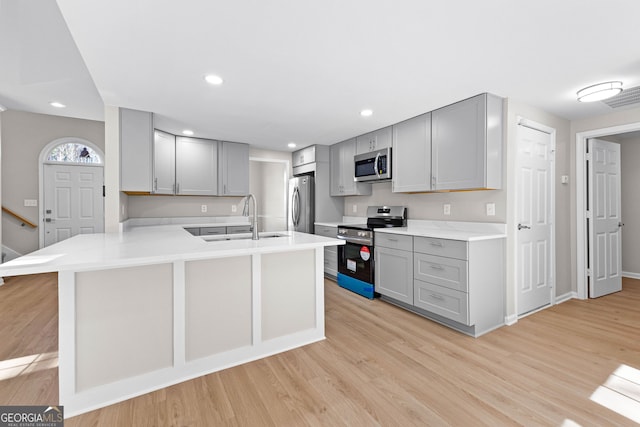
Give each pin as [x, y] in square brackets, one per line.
[187, 132]
[599, 92]
[291, 145]
[57, 104]
[213, 79]
[366, 113]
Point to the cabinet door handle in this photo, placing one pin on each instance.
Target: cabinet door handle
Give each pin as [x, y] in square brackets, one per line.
[435, 243]
[155, 184]
[177, 188]
[436, 296]
[437, 267]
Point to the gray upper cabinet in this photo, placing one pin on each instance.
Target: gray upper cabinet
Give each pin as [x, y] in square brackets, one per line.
[343, 171]
[233, 169]
[373, 141]
[467, 144]
[164, 163]
[411, 155]
[136, 141]
[304, 156]
[196, 166]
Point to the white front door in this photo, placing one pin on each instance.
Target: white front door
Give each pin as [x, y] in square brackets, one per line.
[604, 205]
[73, 201]
[534, 216]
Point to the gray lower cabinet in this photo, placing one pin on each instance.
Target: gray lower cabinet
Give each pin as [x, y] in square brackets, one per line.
[238, 229]
[457, 283]
[330, 252]
[394, 267]
[217, 230]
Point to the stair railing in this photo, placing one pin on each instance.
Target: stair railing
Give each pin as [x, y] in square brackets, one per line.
[24, 221]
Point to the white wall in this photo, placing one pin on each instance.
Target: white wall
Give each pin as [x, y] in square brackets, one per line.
[24, 135]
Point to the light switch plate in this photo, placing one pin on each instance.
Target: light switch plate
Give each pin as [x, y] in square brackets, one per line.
[355, 208]
[446, 209]
[30, 202]
[491, 209]
[234, 208]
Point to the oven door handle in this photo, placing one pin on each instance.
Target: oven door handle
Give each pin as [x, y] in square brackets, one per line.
[356, 240]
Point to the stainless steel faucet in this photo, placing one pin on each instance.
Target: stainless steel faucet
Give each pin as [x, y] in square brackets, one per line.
[245, 212]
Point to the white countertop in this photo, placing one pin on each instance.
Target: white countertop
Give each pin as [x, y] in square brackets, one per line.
[345, 220]
[453, 230]
[148, 245]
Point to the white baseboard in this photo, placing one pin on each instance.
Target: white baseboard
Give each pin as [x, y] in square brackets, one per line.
[9, 254]
[511, 320]
[631, 275]
[566, 297]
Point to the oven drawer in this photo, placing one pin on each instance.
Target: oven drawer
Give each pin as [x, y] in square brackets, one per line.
[394, 241]
[441, 247]
[448, 272]
[443, 301]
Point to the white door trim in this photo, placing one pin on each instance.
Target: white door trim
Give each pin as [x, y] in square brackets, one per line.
[42, 159]
[521, 121]
[581, 208]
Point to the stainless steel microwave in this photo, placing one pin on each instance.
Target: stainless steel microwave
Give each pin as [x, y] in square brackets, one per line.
[373, 166]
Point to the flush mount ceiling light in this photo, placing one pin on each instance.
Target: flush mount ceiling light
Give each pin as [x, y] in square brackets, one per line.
[187, 132]
[366, 113]
[599, 92]
[291, 145]
[213, 79]
[57, 104]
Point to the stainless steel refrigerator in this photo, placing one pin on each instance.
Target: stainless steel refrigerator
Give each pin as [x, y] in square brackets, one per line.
[301, 204]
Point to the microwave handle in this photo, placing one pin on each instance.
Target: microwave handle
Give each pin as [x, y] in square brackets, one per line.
[375, 165]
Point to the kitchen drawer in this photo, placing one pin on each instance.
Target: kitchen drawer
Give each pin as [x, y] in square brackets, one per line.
[441, 247]
[323, 230]
[394, 241]
[193, 230]
[447, 272]
[443, 301]
[208, 231]
[237, 229]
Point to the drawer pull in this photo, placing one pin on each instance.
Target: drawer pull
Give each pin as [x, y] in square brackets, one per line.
[392, 240]
[439, 244]
[436, 296]
[436, 267]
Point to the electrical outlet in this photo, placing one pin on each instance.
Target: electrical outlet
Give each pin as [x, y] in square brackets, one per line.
[30, 202]
[491, 209]
[564, 179]
[234, 208]
[446, 209]
[355, 208]
[203, 208]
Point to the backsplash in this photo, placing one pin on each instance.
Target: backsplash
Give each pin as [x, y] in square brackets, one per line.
[465, 205]
[181, 206]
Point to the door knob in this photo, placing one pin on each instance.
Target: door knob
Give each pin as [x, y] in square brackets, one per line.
[525, 227]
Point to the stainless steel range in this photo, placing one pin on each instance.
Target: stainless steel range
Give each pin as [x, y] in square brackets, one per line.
[356, 263]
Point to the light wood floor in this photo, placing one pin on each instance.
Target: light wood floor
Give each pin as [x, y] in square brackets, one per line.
[378, 366]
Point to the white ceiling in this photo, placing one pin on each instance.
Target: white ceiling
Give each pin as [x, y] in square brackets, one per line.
[301, 70]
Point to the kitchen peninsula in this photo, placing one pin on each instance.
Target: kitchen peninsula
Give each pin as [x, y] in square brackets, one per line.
[154, 306]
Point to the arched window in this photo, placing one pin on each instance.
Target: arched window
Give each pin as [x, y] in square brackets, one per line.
[73, 152]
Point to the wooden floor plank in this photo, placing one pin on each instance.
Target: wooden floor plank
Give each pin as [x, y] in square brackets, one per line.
[379, 366]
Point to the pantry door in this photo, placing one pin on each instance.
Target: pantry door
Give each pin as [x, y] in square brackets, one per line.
[535, 216]
[73, 201]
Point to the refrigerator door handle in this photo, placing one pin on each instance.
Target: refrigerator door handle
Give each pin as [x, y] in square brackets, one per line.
[295, 211]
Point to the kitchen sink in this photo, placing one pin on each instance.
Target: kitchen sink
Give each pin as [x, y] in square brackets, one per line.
[241, 236]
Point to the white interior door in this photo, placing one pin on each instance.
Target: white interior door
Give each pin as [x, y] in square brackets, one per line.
[73, 201]
[534, 216]
[605, 222]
